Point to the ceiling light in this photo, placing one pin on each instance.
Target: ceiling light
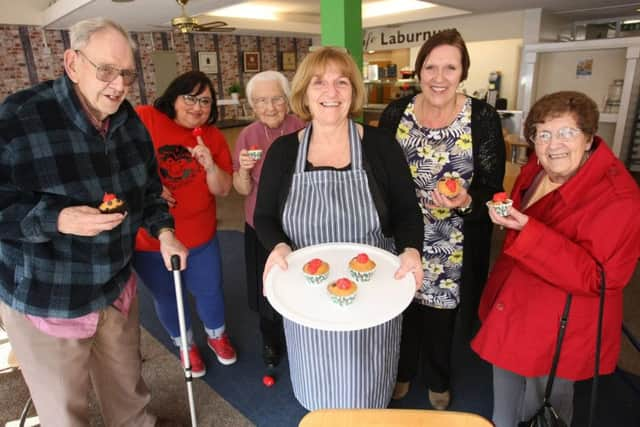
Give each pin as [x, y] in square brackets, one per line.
[392, 7]
[632, 21]
[250, 11]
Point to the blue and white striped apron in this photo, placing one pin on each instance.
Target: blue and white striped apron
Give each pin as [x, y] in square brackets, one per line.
[330, 369]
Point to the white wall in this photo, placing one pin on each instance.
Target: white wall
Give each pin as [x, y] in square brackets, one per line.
[23, 12]
[489, 26]
[557, 71]
[497, 55]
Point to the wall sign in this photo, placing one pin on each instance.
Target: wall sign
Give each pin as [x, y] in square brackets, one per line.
[584, 68]
[405, 36]
[288, 61]
[251, 61]
[207, 62]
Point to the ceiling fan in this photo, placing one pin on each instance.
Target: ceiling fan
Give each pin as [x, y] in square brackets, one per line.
[189, 24]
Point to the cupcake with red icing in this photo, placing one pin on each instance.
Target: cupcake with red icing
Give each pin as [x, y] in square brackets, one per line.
[112, 204]
[316, 271]
[361, 267]
[255, 152]
[342, 292]
[450, 186]
[500, 203]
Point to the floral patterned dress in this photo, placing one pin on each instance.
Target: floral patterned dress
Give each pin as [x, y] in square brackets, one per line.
[434, 154]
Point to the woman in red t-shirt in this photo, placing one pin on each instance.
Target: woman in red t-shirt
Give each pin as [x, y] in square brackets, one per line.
[194, 170]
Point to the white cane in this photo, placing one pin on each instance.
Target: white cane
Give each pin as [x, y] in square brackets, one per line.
[184, 346]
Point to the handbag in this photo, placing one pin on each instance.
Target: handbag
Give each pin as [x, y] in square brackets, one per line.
[547, 416]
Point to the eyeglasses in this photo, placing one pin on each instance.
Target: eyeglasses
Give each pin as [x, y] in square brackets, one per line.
[276, 101]
[204, 101]
[565, 134]
[108, 73]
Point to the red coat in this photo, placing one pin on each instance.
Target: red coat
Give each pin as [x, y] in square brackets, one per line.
[593, 216]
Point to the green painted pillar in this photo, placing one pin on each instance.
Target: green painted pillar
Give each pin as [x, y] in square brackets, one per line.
[341, 25]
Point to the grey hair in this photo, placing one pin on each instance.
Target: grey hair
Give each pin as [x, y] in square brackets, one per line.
[268, 76]
[81, 32]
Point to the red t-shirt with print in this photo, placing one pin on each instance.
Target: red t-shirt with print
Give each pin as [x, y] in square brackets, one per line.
[180, 172]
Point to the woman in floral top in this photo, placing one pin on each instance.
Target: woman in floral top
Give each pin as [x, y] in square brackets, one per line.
[455, 150]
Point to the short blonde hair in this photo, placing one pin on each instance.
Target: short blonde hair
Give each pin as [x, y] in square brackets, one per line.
[316, 63]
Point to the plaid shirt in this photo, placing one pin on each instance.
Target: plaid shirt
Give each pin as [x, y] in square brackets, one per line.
[52, 157]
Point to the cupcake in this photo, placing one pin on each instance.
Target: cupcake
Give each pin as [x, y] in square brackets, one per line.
[112, 204]
[342, 292]
[362, 268]
[500, 203]
[316, 271]
[449, 187]
[255, 152]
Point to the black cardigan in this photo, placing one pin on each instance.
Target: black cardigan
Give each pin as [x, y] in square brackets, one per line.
[390, 183]
[488, 173]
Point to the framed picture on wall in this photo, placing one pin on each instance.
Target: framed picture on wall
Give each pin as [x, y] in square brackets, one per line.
[288, 61]
[208, 62]
[251, 62]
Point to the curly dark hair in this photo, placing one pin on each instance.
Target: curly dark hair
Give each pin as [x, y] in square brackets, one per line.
[446, 37]
[584, 111]
[185, 84]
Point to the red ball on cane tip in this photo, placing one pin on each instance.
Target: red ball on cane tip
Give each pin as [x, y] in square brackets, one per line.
[268, 381]
[197, 131]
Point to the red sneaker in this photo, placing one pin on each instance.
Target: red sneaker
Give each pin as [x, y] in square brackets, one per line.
[223, 349]
[197, 365]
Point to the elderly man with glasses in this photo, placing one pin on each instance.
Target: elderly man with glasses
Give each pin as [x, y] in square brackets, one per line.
[67, 289]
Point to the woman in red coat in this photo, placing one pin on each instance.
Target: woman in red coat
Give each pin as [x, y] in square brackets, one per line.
[574, 208]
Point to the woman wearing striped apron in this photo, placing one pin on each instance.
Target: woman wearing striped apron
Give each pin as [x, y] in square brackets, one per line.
[337, 181]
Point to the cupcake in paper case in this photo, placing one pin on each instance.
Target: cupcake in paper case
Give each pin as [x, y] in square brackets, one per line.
[255, 152]
[316, 271]
[112, 204]
[449, 187]
[343, 291]
[500, 203]
[361, 267]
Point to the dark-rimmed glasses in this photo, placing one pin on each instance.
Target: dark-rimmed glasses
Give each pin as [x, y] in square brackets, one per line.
[564, 134]
[204, 101]
[108, 73]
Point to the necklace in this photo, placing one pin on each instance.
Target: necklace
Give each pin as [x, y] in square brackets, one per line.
[269, 137]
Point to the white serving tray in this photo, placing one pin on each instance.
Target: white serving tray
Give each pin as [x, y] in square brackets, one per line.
[378, 301]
